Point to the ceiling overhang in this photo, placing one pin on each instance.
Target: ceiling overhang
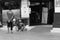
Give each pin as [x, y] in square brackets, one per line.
[11, 0]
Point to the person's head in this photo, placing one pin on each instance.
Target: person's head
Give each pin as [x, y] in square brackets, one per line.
[20, 20]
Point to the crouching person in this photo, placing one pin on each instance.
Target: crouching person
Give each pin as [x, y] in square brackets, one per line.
[20, 25]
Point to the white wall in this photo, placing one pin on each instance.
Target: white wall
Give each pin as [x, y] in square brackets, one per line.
[16, 12]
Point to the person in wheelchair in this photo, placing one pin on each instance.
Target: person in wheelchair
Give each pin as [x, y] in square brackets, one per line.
[20, 25]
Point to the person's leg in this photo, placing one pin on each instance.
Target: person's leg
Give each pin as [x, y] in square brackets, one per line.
[8, 26]
[22, 28]
[11, 27]
[19, 28]
[8, 29]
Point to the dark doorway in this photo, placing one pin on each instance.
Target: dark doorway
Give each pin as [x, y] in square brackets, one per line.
[38, 9]
[36, 13]
[51, 12]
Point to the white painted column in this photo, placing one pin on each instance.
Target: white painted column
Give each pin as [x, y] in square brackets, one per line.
[25, 10]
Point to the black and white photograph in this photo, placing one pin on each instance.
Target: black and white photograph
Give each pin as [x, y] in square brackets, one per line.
[29, 19]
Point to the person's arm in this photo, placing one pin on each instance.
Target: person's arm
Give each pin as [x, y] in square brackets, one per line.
[12, 16]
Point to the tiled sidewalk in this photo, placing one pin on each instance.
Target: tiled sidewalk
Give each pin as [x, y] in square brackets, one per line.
[38, 33]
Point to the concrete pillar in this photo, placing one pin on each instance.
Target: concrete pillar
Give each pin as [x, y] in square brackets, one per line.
[25, 10]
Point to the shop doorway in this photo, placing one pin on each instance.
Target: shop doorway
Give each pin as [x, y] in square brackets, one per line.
[36, 13]
[47, 12]
[45, 6]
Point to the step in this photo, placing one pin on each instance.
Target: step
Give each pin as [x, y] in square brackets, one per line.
[55, 30]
